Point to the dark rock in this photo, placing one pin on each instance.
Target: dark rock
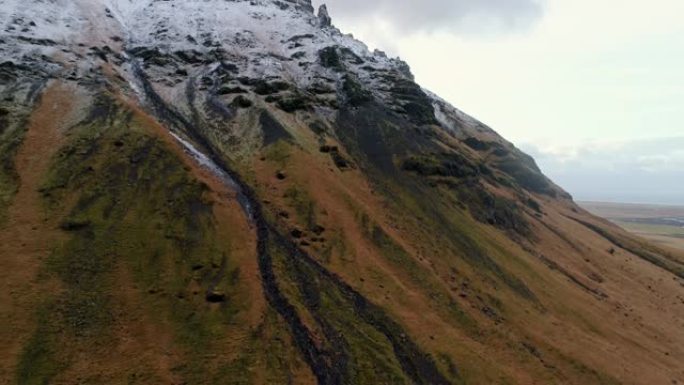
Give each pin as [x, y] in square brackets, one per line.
[413, 101]
[533, 204]
[74, 224]
[215, 296]
[281, 175]
[294, 103]
[272, 98]
[420, 113]
[318, 127]
[446, 165]
[241, 102]
[501, 151]
[531, 349]
[321, 89]
[151, 55]
[281, 5]
[477, 144]
[190, 56]
[524, 170]
[356, 94]
[297, 233]
[263, 87]
[330, 58]
[404, 69]
[229, 67]
[340, 161]
[324, 19]
[273, 130]
[226, 90]
[302, 5]
[100, 53]
[297, 38]
[348, 55]
[246, 81]
[595, 277]
[35, 41]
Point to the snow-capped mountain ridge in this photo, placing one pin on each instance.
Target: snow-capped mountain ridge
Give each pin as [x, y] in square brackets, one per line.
[260, 39]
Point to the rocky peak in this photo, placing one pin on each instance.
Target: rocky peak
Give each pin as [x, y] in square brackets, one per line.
[324, 18]
[304, 5]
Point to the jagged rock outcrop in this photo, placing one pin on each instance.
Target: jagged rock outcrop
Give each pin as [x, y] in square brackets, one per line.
[324, 19]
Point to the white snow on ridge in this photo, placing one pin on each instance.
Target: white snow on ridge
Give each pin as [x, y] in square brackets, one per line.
[57, 20]
[257, 31]
[264, 38]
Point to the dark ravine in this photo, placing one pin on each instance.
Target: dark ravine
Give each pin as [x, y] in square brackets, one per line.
[418, 366]
[276, 299]
[327, 366]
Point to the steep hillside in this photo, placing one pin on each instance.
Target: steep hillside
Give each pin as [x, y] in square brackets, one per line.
[234, 192]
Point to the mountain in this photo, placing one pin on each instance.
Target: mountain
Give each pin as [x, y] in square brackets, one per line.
[234, 192]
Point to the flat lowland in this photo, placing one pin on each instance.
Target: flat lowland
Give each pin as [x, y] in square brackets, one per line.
[661, 224]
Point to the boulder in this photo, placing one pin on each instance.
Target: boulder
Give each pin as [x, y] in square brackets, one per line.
[241, 102]
[214, 296]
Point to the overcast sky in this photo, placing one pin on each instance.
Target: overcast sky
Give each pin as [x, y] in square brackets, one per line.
[594, 89]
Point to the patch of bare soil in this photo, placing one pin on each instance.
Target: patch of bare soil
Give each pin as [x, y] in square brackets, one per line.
[142, 350]
[28, 236]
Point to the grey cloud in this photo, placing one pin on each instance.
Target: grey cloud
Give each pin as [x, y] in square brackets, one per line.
[647, 171]
[461, 16]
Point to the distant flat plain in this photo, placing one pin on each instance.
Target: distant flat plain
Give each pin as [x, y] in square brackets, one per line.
[663, 225]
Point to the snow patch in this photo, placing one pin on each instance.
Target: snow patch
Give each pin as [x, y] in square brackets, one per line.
[208, 164]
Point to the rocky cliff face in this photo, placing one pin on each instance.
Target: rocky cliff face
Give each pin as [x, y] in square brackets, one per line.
[236, 192]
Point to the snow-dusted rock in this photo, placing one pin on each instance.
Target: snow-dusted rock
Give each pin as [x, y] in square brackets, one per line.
[276, 51]
[324, 19]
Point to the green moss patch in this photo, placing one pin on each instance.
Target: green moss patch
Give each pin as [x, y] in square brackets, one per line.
[366, 345]
[11, 135]
[136, 207]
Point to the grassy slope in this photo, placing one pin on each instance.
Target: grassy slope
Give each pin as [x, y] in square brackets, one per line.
[399, 284]
[434, 279]
[11, 135]
[130, 204]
